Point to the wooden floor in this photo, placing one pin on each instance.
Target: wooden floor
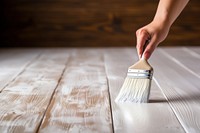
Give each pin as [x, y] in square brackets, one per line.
[73, 90]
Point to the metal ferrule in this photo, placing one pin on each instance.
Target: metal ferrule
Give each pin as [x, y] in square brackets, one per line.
[139, 71]
[136, 73]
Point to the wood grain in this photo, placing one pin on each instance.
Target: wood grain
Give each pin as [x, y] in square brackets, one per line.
[186, 58]
[88, 23]
[195, 49]
[154, 117]
[13, 62]
[73, 90]
[180, 87]
[24, 101]
[81, 102]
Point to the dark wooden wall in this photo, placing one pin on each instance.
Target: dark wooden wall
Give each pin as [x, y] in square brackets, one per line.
[88, 22]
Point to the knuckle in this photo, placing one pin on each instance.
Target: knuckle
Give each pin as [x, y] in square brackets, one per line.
[137, 32]
[140, 31]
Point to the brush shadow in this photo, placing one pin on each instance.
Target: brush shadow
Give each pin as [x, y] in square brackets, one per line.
[157, 101]
[191, 97]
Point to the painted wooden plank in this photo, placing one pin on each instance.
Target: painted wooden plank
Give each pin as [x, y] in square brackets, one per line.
[13, 62]
[81, 101]
[154, 117]
[181, 88]
[195, 49]
[186, 58]
[24, 101]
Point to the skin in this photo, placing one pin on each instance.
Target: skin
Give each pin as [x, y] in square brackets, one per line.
[158, 29]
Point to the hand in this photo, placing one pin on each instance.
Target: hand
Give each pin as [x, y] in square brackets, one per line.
[153, 33]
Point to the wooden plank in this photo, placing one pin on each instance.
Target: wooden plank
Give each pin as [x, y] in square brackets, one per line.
[195, 49]
[13, 62]
[81, 101]
[154, 117]
[186, 58]
[181, 88]
[24, 101]
[88, 22]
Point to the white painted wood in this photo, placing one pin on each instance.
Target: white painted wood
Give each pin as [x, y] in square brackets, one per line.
[186, 58]
[155, 117]
[13, 62]
[181, 88]
[81, 102]
[24, 101]
[195, 49]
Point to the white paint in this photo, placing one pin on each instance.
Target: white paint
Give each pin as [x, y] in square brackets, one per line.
[181, 90]
[81, 101]
[24, 101]
[180, 64]
[134, 90]
[154, 117]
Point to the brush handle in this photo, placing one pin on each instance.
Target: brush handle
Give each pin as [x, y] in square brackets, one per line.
[142, 64]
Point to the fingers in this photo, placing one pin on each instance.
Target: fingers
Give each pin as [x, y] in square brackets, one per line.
[154, 31]
[150, 48]
[142, 36]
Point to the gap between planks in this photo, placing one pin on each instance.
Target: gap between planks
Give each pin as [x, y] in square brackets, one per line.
[178, 62]
[42, 119]
[180, 84]
[21, 70]
[86, 67]
[159, 114]
[109, 94]
[24, 87]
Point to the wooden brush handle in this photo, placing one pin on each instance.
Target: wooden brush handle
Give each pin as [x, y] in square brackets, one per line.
[141, 64]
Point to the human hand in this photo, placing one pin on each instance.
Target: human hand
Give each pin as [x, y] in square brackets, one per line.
[153, 34]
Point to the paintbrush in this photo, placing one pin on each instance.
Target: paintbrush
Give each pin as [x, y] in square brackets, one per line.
[136, 87]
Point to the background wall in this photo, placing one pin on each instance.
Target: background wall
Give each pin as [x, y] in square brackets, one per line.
[88, 22]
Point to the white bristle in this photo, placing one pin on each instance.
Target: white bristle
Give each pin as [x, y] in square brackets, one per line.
[134, 90]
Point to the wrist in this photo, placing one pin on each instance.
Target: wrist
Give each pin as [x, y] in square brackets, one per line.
[162, 21]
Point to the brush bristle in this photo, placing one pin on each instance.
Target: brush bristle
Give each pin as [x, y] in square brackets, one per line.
[134, 90]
